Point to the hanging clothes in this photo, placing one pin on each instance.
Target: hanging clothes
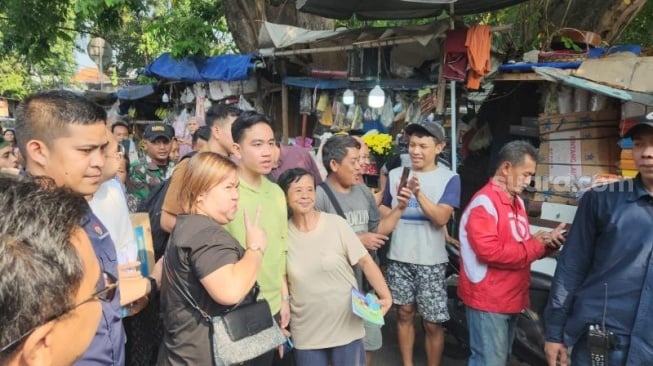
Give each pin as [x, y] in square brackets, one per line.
[455, 55]
[478, 43]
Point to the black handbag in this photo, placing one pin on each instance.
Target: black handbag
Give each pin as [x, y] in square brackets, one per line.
[243, 332]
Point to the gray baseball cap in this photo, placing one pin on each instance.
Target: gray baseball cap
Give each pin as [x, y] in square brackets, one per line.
[433, 129]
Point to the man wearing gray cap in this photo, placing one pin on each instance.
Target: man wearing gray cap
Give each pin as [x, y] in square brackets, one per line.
[156, 166]
[417, 258]
[602, 293]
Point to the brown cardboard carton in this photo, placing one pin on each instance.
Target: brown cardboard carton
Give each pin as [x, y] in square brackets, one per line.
[569, 159]
[578, 121]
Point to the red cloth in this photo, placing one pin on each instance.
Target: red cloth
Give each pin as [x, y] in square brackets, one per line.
[497, 250]
[455, 55]
[478, 43]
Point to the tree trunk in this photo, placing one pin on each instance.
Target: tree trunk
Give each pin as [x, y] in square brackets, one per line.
[608, 18]
[245, 17]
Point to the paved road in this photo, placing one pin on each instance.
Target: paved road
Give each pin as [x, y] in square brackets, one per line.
[389, 354]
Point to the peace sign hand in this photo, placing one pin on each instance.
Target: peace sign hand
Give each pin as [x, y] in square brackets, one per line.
[255, 235]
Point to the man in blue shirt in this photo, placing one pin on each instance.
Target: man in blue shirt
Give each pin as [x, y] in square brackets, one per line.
[63, 137]
[605, 271]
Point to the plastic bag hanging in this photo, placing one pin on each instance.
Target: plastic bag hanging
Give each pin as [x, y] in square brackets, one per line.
[339, 112]
[357, 119]
[387, 114]
[323, 102]
[244, 105]
[305, 102]
[187, 96]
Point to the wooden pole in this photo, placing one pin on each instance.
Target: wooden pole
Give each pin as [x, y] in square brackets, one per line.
[284, 102]
[284, 114]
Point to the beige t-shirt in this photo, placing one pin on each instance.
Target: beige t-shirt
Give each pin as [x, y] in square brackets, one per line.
[320, 278]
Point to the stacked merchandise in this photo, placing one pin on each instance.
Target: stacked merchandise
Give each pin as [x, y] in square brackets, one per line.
[577, 150]
[627, 164]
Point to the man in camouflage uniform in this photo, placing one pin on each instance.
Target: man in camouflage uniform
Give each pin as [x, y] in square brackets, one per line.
[156, 167]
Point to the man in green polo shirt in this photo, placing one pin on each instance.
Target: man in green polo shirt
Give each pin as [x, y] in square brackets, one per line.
[253, 147]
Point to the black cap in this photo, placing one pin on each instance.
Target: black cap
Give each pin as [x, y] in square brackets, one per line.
[155, 130]
[640, 123]
[433, 129]
[203, 132]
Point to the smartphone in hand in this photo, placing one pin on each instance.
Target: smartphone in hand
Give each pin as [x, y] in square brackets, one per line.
[404, 179]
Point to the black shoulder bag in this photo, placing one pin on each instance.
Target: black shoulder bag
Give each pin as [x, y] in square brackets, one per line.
[241, 333]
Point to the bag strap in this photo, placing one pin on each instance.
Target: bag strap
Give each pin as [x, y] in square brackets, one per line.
[189, 298]
[333, 199]
[183, 292]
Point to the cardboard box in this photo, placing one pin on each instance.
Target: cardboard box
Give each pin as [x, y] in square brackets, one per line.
[555, 198]
[626, 154]
[632, 73]
[548, 124]
[143, 233]
[568, 160]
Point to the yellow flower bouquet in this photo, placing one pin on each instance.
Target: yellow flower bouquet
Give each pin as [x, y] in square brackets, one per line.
[380, 144]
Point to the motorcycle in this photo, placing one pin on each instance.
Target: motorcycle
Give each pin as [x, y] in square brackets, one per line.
[528, 345]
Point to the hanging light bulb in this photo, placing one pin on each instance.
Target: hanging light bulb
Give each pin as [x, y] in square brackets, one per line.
[376, 98]
[348, 97]
[165, 98]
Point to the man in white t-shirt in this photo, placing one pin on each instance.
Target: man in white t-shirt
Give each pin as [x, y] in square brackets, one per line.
[417, 258]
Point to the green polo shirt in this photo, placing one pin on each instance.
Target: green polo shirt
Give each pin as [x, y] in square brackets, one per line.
[274, 221]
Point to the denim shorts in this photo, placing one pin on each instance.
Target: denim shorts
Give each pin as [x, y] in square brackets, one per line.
[422, 285]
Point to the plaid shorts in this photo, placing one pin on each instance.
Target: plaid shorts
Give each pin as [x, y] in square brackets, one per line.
[422, 285]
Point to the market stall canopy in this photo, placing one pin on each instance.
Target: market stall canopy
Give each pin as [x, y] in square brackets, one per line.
[200, 69]
[273, 37]
[281, 35]
[397, 9]
[134, 92]
[412, 45]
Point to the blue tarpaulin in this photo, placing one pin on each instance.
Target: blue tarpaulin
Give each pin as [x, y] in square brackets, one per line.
[134, 92]
[197, 69]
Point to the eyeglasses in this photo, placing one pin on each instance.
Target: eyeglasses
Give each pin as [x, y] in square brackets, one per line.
[106, 292]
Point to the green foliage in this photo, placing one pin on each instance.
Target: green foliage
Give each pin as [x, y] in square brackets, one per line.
[42, 32]
[526, 20]
[640, 30]
[12, 78]
[25, 64]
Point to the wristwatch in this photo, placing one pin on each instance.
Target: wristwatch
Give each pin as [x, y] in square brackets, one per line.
[153, 287]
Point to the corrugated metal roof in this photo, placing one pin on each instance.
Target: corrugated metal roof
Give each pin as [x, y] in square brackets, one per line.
[395, 9]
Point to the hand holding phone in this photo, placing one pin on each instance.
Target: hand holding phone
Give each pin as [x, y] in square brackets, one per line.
[404, 179]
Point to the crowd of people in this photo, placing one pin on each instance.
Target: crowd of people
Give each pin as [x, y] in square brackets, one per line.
[251, 220]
